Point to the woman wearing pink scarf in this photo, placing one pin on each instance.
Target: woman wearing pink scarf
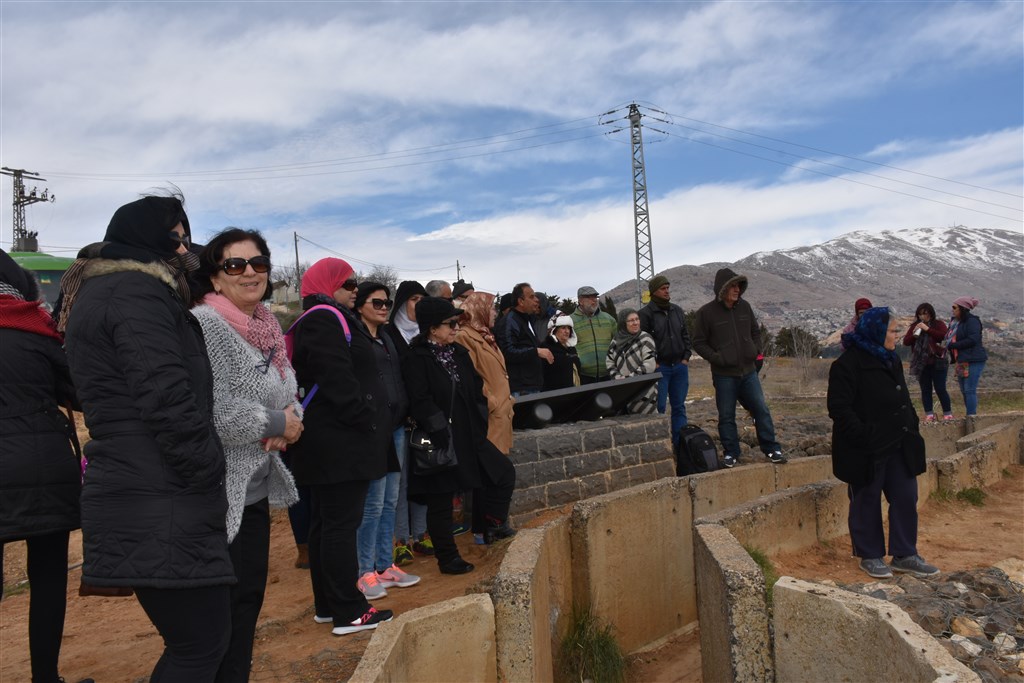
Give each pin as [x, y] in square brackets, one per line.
[255, 414]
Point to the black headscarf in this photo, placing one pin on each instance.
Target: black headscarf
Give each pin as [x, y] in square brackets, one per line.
[17, 277]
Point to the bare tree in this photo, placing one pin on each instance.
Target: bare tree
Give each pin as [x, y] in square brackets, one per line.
[386, 275]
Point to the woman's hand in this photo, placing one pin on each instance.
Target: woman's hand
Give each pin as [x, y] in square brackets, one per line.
[275, 443]
[922, 326]
[292, 427]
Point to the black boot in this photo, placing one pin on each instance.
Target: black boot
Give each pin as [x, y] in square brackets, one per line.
[497, 531]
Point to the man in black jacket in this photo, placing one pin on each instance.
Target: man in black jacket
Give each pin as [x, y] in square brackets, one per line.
[727, 336]
[519, 344]
[666, 323]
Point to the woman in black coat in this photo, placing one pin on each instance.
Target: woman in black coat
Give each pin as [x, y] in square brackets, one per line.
[445, 390]
[876, 445]
[153, 502]
[564, 371]
[346, 440]
[40, 479]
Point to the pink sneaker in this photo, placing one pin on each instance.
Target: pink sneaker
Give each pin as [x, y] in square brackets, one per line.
[370, 585]
[930, 417]
[947, 418]
[395, 577]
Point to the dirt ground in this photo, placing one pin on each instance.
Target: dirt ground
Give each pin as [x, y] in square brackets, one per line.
[111, 640]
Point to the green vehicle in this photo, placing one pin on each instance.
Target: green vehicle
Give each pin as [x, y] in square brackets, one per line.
[48, 269]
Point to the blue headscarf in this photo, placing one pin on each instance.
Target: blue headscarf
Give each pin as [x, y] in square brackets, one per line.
[869, 335]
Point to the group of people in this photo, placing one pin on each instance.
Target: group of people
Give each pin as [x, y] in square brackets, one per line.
[192, 392]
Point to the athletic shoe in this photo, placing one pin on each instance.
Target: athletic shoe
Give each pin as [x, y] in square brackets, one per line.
[913, 564]
[456, 566]
[729, 461]
[459, 528]
[395, 577]
[370, 586]
[402, 555]
[945, 418]
[424, 546]
[323, 620]
[930, 417]
[366, 622]
[876, 568]
[776, 456]
[478, 538]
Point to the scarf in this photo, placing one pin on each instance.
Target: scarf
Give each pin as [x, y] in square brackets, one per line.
[661, 303]
[325, 277]
[869, 336]
[478, 307]
[261, 329]
[919, 353]
[623, 339]
[27, 316]
[951, 337]
[406, 327]
[445, 355]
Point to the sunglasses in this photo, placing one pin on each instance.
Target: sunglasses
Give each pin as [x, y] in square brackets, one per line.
[236, 266]
[349, 285]
[180, 239]
[451, 323]
[378, 304]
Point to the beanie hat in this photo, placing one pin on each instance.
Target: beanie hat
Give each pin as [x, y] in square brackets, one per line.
[365, 289]
[862, 304]
[461, 287]
[505, 302]
[967, 302]
[432, 311]
[656, 283]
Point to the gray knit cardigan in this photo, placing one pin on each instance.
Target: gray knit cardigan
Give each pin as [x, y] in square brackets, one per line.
[244, 395]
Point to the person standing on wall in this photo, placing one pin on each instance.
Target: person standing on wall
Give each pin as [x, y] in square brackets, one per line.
[666, 323]
[594, 330]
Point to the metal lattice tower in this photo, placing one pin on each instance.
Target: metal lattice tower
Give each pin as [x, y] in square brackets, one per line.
[642, 223]
[23, 240]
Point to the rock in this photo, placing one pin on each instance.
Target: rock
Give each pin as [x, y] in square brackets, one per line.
[962, 588]
[931, 615]
[964, 648]
[975, 601]
[988, 669]
[914, 586]
[949, 590]
[1014, 568]
[967, 627]
[1004, 643]
[999, 622]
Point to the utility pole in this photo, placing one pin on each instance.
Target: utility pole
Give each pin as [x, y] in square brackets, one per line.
[298, 273]
[23, 240]
[641, 221]
[458, 270]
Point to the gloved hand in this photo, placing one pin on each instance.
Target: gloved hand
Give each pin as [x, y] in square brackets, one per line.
[439, 438]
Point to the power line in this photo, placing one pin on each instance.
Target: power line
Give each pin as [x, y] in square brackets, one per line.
[375, 265]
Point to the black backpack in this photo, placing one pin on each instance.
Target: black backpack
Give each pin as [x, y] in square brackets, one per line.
[696, 452]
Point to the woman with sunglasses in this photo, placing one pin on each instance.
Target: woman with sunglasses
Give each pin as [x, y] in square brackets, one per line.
[964, 343]
[346, 441]
[255, 414]
[446, 397]
[153, 501]
[377, 569]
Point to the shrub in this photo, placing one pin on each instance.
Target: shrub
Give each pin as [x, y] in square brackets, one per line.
[589, 650]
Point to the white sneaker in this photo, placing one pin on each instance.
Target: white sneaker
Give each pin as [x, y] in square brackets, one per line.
[323, 620]
[395, 577]
[370, 586]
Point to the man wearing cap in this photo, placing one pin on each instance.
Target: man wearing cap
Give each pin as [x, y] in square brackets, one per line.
[524, 356]
[666, 323]
[594, 332]
[726, 335]
[460, 292]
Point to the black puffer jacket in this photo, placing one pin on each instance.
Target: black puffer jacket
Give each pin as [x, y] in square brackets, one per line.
[153, 504]
[872, 417]
[347, 424]
[519, 345]
[40, 480]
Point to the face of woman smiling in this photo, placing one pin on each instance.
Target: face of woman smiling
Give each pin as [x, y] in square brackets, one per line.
[246, 290]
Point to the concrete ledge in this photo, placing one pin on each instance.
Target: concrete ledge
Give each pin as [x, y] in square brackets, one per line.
[827, 634]
[782, 521]
[735, 644]
[448, 641]
[722, 489]
[641, 531]
[802, 471]
[533, 602]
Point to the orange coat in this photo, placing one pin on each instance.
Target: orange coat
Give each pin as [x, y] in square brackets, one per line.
[490, 363]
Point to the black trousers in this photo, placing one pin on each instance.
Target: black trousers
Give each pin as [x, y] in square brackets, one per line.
[866, 529]
[195, 624]
[439, 526]
[48, 581]
[250, 554]
[333, 558]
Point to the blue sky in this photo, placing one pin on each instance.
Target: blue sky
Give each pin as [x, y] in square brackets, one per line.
[418, 134]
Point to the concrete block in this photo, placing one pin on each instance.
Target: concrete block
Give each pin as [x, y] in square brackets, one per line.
[953, 472]
[630, 432]
[562, 492]
[559, 441]
[528, 500]
[526, 474]
[735, 643]
[823, 633]
[598, 438]
[533, 602]
[624, 456]
[524, 446]
[593, 485]
[641, 474]
[780, 522]
[665, 468]
[940, 437]
[831, 510]
[447, 641]
[588, 463]
[548, 471]
[721, 489]
[802, 471]
[643, 529]
[653, 451]
[618, 480]
[1005, 438]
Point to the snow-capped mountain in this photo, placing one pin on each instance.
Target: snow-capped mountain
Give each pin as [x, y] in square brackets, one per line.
[815, 286]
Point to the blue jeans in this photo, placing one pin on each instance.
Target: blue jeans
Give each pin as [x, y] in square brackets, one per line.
[375, 537]
[405, 508]
[672, 388]
[747, 391]
[969, 386]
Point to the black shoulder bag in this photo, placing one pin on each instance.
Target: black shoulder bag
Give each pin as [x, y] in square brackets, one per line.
[427, 458]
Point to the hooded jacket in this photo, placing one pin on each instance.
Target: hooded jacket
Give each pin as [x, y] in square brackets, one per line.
[728, 338]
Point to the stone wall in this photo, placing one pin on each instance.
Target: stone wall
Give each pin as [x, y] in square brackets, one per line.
[565, 463]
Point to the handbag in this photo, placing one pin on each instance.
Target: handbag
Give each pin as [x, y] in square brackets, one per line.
[963, 370]
[427, 458]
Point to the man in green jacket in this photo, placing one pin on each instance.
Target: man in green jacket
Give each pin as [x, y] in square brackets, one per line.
[594, 332]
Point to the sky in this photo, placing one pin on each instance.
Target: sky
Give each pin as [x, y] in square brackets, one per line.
[494, 135]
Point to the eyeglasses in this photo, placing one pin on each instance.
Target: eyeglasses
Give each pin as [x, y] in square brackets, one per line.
[236, 266]
[378, 304]
[267, 360]
[180, 239]
[450, 323]
[349, 285]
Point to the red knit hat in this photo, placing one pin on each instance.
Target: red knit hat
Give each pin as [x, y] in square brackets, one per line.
[862, 305]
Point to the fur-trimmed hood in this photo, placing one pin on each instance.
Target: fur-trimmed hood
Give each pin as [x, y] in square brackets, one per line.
[726, 277]
[105, 266]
